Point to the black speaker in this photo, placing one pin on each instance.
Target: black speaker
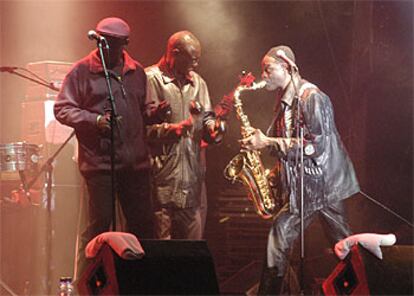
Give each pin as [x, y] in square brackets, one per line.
[244, 281]
[361, 273]
[168, 267]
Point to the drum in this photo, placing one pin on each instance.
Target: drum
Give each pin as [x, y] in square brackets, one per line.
[18, 156]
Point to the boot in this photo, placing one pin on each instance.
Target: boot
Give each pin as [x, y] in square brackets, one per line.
[270, 282]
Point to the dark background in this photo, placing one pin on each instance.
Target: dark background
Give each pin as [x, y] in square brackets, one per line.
[359, 52]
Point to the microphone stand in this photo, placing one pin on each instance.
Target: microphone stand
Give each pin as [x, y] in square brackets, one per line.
[114, 117]
[302, 218]
[38, 79]
[48, 169]
[300, 163]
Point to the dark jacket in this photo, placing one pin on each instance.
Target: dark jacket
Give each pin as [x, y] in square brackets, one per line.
[177, 169]
[84, 95]
[329, 175]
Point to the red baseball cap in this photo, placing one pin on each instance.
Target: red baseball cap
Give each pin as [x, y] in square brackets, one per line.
[113, 26]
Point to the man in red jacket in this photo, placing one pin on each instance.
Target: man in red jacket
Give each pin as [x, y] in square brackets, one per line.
[84, 105]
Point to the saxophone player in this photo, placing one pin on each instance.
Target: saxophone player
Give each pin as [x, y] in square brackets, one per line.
[329, 176]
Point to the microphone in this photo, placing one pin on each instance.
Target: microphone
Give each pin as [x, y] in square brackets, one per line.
[93, 35]
[8, 69]
[281, 54]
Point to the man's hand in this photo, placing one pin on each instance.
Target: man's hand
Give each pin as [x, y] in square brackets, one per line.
[104, 122]
[162, 111]
[216, 130]
[256, 140]
[181, 127]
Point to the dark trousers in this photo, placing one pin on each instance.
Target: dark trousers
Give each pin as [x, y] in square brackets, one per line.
[174, 223]
[134, 196]
[285, 230]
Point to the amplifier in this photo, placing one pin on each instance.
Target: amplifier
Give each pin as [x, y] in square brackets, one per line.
[39, 125]
[53, 72]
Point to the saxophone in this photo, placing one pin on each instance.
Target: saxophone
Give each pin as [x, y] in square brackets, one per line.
[247, 167]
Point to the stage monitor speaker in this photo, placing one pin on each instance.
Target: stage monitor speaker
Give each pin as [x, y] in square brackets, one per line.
[169, 267]
[361, 273]
[245, 280]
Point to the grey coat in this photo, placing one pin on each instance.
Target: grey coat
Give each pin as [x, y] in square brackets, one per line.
[177, 168]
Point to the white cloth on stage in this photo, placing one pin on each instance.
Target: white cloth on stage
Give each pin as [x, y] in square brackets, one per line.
[126, 245]
[370, 241]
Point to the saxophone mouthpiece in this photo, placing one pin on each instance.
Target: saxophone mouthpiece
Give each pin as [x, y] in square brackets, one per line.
[259, 85]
